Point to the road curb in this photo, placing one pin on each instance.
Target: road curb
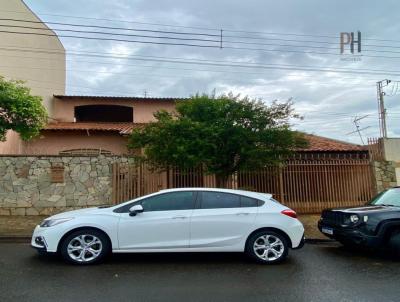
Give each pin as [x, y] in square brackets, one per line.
[318, 240]
[15, 239]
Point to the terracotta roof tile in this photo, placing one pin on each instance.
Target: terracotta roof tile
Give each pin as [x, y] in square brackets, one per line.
[115, 98]
[316, 143]
[320, 143]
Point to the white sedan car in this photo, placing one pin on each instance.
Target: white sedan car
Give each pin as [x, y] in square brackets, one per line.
[175, 220]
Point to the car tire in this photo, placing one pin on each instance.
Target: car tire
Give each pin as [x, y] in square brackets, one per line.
[394, 243]
[85, 246]
[267, 247]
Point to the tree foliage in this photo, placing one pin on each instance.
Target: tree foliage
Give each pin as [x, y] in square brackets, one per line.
[19, 110]
[224, 134]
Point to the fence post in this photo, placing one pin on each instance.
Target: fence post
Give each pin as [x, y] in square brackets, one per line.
[114, 184]
[281, 191]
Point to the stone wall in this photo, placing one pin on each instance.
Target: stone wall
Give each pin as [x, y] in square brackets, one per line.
[385, 174]
[45, 185]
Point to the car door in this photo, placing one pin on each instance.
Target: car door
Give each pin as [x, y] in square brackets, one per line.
[164, 223]
[221, 219]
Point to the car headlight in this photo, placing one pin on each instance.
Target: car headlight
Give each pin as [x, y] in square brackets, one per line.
[51, 222]
[354, 218]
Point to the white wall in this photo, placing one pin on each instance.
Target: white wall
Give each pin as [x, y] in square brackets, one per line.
[392, 149]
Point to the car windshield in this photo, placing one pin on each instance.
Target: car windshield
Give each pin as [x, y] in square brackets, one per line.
[389, 197]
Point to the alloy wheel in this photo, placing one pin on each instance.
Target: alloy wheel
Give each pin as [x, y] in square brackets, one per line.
[268, 248]
[84, 248]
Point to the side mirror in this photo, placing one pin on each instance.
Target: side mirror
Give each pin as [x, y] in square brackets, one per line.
[133, 211]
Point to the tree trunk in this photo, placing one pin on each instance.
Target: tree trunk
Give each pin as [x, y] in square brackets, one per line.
[221, 181]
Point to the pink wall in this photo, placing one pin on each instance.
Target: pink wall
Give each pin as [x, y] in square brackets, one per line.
[142, 110]
[12, 145]
[52, 142]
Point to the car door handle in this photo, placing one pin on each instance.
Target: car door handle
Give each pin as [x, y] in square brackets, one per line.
[179, 217]
[242, 213]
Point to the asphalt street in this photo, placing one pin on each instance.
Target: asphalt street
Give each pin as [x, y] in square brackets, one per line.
[318, 272]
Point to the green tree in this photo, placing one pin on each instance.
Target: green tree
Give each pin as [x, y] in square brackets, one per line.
[223, 134]
[19, 110]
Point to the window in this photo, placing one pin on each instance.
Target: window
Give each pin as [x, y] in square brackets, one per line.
[389, 197]
[163, 202]
[103, 113]
[246, 202]
[169, 202]
[217, 200]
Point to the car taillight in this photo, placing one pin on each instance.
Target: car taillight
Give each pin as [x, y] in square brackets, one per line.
[289, 213]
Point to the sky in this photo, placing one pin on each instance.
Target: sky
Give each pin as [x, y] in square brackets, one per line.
[280, 42]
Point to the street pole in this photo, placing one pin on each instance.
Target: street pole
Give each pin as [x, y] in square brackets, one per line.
[381, 106]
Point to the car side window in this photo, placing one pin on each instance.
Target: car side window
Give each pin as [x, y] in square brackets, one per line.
[246, 202]
[169, 202]
[218, 200]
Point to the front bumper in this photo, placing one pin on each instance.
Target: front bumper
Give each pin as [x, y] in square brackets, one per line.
[350, 235]
[45, 239]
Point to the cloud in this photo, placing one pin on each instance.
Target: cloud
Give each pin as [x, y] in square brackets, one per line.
[329, 100]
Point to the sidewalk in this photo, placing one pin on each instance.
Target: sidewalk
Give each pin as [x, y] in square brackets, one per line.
[310, 225]
[22, 226]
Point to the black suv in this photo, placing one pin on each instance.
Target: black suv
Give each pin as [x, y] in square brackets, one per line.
[377, 224]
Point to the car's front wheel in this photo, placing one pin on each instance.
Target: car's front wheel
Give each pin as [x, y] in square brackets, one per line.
[267, 247]
[85, 246]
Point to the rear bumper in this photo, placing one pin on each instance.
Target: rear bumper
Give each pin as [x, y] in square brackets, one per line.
[301, 244]
[350, 235]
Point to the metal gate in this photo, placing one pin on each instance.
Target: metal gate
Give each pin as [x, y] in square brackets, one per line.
[308, 186]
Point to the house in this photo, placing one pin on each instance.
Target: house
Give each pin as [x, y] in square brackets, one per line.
[101, 125]
[36, 59]
[94, 124]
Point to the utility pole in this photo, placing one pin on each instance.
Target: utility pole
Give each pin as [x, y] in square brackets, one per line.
[381, 106]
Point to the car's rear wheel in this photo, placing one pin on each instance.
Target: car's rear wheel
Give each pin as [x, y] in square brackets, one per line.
[267, 247]
[86, 246]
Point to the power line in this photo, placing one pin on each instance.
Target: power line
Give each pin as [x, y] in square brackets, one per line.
[177, 33]
[330, 36]
[109, 39]
[114, 20]
[220, 41]
[111, 27]
[174, 68]
[112, 34]
[232, 64]
[190, 45]
[209, 62]
[244, 66]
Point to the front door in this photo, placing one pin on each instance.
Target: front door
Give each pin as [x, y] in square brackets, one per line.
[164, 223]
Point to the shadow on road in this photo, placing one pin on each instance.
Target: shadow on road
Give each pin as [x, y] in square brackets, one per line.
[331, 250]
[185, 259]
[336, 250]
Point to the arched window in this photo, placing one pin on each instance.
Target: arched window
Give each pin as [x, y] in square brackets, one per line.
[103, 113]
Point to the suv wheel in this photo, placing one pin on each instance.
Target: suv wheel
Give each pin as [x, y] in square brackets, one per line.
[85, 247]
[267, 247]
[394, 242]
